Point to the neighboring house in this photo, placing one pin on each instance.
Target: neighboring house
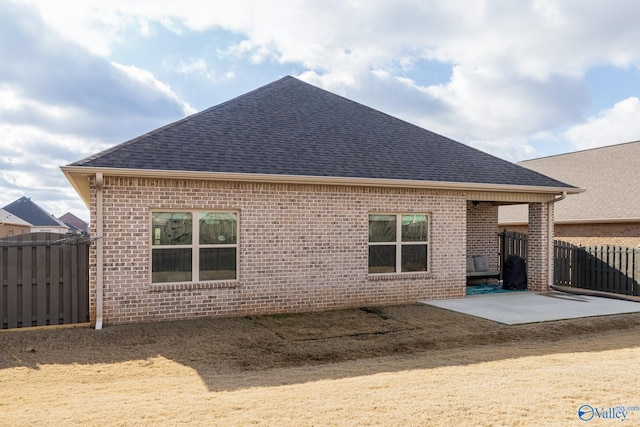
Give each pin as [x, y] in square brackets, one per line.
[607, 213]
[41, 221]
[11, 225]
[75, 224]
[290, 198]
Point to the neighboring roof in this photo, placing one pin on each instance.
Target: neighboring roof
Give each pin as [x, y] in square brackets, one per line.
[610, 176]
[29, 211]
[9, 218]
[74, 223]
[291, 128]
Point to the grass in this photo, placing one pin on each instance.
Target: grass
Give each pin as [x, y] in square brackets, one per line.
[397, 365]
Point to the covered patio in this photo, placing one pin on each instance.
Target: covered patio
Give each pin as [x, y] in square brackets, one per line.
[482, 237]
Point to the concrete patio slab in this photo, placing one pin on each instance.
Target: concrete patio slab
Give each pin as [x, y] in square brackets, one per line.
[530, 307]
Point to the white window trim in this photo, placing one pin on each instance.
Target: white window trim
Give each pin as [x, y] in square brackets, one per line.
[195, 247]
[399, 243]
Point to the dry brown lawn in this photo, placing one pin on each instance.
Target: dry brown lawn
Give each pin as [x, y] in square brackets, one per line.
[399, 365]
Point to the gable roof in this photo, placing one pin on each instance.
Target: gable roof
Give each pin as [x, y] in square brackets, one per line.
[30, 212]
[610, 176]
[291, 128]
[9, 218]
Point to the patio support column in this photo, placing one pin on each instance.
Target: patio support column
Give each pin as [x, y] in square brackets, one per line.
[539, 262]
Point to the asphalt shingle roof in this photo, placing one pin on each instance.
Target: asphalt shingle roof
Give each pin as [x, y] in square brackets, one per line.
[27, 210]
[290, 127]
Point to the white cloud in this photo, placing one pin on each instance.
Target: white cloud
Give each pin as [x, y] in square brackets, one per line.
[31, 141]
[29, 166]
[621, 123]
[59, 103]
[513, 150]
[201, 67]
[146, 78]
[9, 99]
[532, 38]
[94, 25]
[486, 103]
[517, 68]
[13, 100]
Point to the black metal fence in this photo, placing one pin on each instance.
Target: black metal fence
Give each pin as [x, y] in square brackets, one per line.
[511, 243]
[606, 268]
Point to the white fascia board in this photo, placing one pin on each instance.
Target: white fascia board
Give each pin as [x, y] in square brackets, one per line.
[77, 174]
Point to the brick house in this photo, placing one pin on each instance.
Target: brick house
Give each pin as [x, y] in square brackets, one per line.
[290, 198]
[608, 213]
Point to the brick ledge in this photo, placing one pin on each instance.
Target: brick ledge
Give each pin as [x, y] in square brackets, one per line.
[160, 287]
[399, 276]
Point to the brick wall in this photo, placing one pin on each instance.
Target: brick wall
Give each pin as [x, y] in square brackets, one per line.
[302, 247]
[620, 234]
[482, 237]
[538, 249]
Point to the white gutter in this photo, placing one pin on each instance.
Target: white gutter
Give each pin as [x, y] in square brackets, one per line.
[550, 255]
[99, 250]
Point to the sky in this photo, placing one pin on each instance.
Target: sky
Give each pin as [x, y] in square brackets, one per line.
[517, 79]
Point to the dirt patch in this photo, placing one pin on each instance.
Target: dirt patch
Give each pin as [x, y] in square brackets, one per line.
[292, 340]
[371, 366]
[331, 324]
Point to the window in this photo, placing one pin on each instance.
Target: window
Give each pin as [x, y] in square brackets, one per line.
[398, 243]
[188, 250]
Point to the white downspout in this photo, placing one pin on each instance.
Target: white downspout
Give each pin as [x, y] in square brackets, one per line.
[99, 250]
[550, 255]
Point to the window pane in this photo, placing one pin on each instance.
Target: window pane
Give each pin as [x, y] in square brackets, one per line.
[415, 228]
[171, 228]
[171, 265]
[217, 263]
[414, 257]
[382, 228]
[218, 228]
[382, 259]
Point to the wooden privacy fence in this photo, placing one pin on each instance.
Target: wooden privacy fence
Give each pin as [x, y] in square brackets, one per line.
[44, 280]
[605, 268]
